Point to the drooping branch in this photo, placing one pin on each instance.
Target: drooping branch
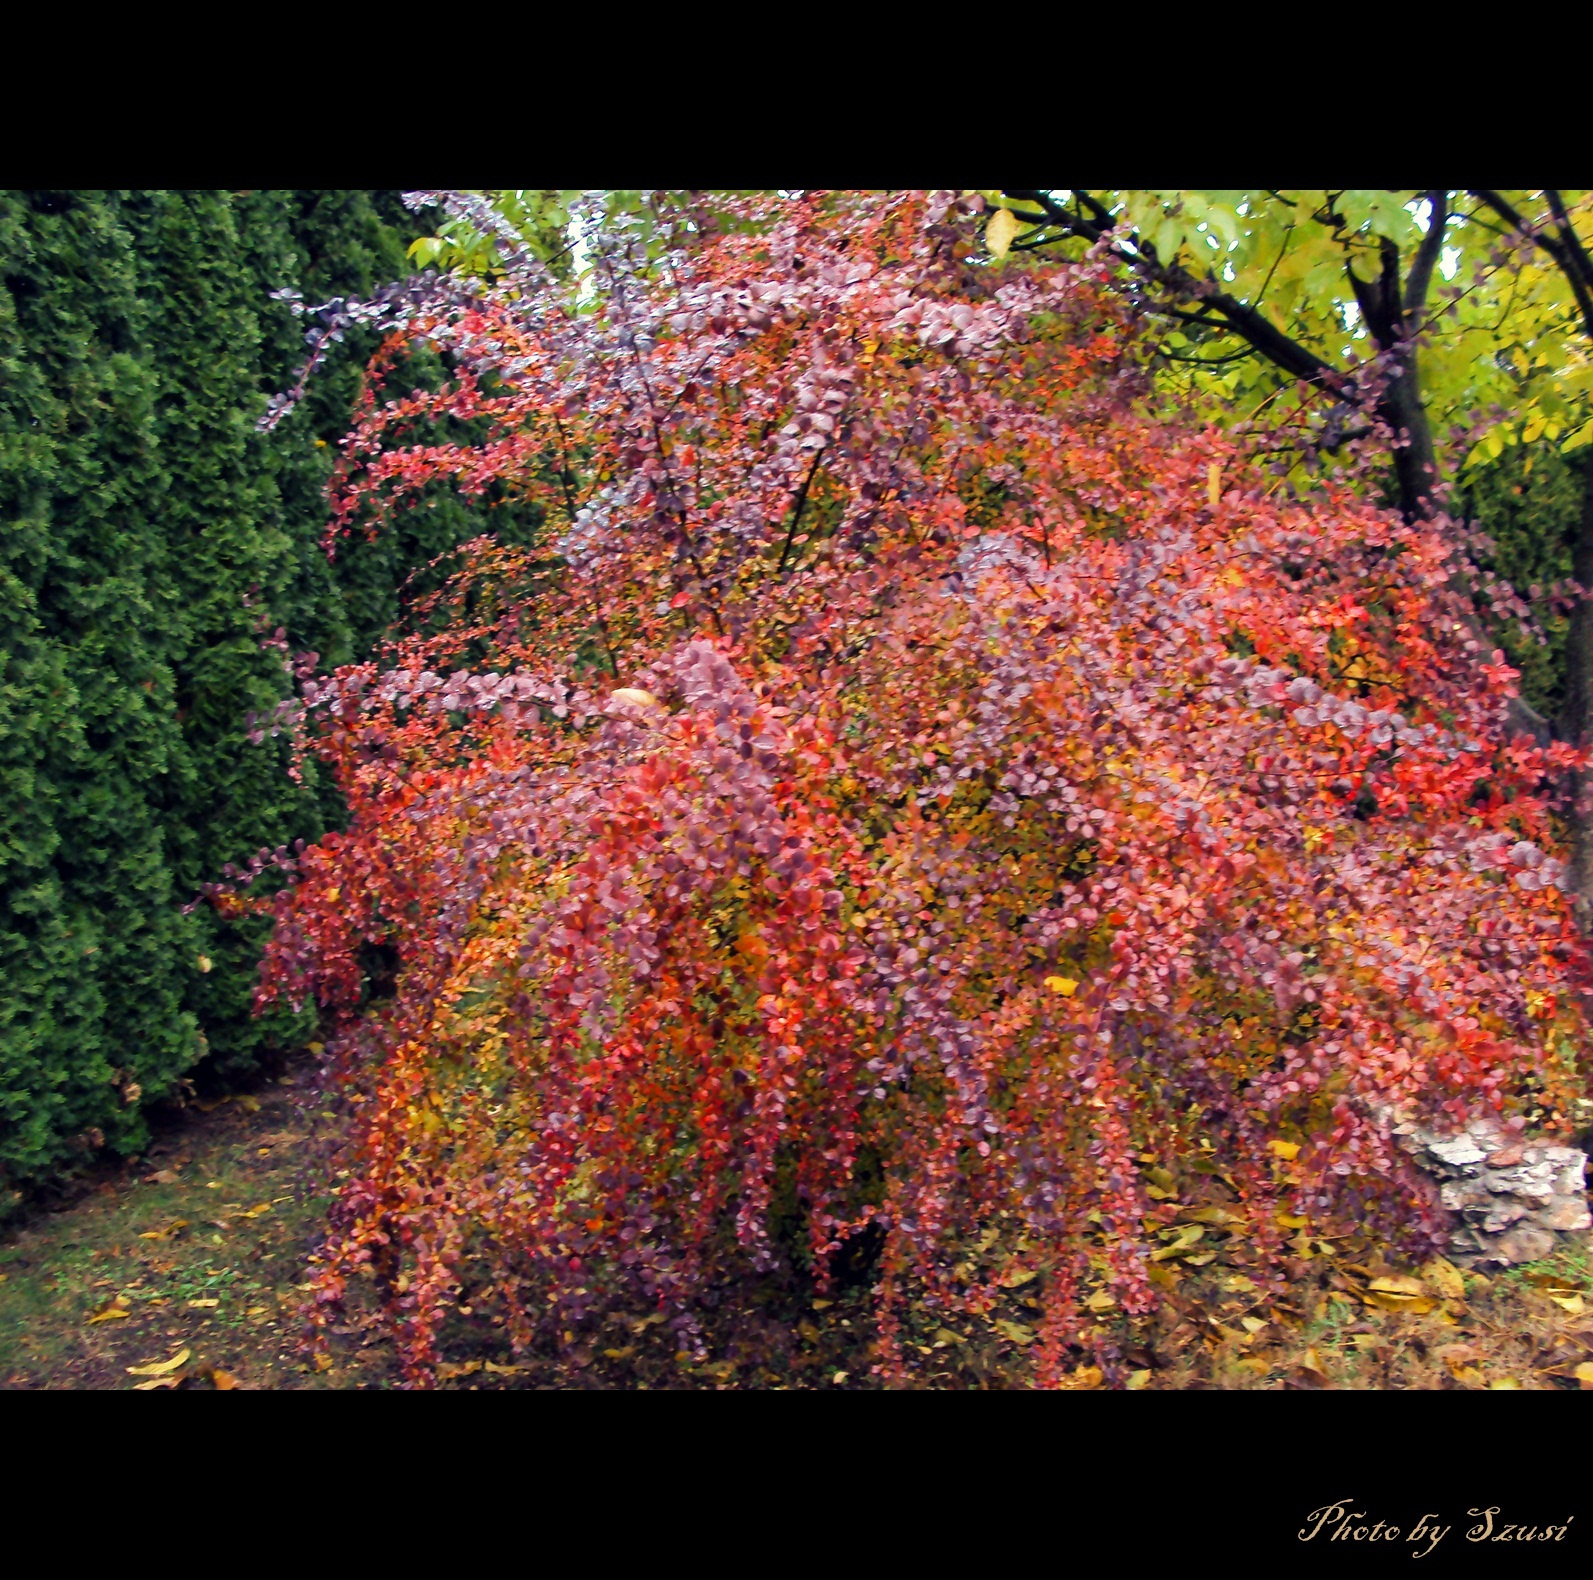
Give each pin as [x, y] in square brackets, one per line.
[1179, 285]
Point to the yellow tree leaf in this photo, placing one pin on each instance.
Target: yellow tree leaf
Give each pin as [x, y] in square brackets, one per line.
[1066, 986]
[1002, 228]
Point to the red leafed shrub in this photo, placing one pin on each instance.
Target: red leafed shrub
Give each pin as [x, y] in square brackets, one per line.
[914, 781]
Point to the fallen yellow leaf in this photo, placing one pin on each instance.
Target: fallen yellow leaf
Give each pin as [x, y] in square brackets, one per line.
[1385, 1300]
[1445, 1277]
[1288, 1151]
[202, 1305]
[1137, 1380]
[838, 1379]
[511, 1371]
[1572, 1303]
[1584, 1376]
[1218, 1217]
[1101, 1301]
[222, 1381]
[1016, 1277]
[1015, 1331]
[1066, 986]
[1285, 1220]
[175, 1227]
[112, 1312]
[160, 1368]
[451, 1369]
[1501, 1384]
[1085, 1377]
[1398, 1284]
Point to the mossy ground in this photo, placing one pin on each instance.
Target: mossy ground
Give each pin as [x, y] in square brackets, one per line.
[203, 1246]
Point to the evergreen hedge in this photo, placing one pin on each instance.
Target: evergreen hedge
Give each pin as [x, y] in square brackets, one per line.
[140, 512]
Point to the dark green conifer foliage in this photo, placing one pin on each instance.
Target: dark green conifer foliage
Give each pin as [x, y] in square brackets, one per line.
[93, 947]
[148, 528]
[1529, 502]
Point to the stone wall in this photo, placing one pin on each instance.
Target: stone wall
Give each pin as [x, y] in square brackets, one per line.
[1513, 1199]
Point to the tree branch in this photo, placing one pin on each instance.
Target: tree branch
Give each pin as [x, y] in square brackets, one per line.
[1552, 245]
[1422, 265]
[1253, 326]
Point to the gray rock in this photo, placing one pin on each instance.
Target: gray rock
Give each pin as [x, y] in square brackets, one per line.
[1523, 1245]
[1514, 1199]
[1566, 1214]
[1457, 1152]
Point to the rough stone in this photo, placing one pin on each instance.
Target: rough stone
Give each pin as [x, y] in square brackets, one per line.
[1523, 1245]
[1513, 1199]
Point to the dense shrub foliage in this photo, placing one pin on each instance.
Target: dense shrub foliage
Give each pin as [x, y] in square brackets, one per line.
[914, 781]
[148, 532]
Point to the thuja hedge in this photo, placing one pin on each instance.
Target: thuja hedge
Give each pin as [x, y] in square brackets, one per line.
[149, 536]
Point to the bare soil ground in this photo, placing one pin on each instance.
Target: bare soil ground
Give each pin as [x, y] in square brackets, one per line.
[187, 1269]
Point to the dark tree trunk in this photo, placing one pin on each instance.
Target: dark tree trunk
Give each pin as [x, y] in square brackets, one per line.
[1415, 464]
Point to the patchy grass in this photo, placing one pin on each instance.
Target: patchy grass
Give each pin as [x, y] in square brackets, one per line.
[197, 1247]
[1530, 1328]
[199, 1253]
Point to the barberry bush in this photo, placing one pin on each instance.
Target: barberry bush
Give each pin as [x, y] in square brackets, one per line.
[916, 777]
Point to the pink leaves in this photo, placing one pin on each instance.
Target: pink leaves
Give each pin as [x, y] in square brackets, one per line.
[1499, 673]
[940, 680]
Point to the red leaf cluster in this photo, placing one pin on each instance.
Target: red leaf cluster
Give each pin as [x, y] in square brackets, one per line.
[916, 782]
